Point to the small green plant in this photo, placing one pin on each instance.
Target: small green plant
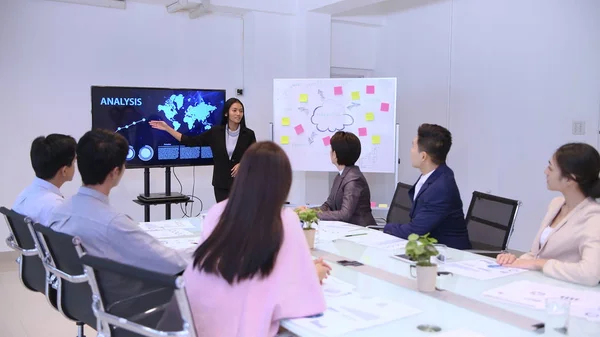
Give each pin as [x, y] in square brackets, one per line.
[308, 217]
[421, 249]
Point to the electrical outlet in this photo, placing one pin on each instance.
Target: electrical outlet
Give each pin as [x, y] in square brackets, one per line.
[579, 128]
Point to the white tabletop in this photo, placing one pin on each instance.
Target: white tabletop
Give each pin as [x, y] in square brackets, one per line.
[436, 312]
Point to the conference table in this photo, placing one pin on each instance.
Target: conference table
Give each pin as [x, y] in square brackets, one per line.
[457, 308]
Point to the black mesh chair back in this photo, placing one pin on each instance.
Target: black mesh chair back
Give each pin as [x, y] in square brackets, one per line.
[490, 221]
[152, 296]
[61, 259]
[31, 269]
[399, 211]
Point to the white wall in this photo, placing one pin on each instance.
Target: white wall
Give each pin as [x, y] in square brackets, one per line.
[47, 66]
[353, 45]
[520, 73]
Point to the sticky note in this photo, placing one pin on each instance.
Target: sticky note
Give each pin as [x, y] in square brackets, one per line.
[362, 132]
[285, 140]
[299, 129]
[338, 91]
[303, 98]
[383, 206]
[376, 139]
[385, 107]
[373, 204]
[370, 89]
[327, 141]
[355, 95]
[369, 116]
[285, 121]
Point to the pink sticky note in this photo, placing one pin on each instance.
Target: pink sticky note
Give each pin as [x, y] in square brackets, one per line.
[370, 89]
[385, 107]
[362, 132]
[373, 204]
[327, 141]
[299, 129]
[338, 91]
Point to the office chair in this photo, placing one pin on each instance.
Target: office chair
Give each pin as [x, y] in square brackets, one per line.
[490, 222]
[152, 311]
[32, 273]
[400, 207]
[74, 296]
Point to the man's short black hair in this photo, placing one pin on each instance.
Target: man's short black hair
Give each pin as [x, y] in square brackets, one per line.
[436, 141]
[51, 153]
[98, 153]
[346, 147]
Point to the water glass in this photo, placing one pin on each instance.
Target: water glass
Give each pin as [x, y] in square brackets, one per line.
[557, 315]
[443, 253]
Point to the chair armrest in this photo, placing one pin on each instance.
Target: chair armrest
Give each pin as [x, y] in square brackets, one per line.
[377, 227]
[11, 242]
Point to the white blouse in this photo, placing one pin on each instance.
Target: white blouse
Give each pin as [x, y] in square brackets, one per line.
[545, 234]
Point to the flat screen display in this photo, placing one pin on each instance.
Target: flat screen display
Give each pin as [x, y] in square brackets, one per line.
[127, 111]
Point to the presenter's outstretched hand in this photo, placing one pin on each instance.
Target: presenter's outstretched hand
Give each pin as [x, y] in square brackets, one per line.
[160, 125]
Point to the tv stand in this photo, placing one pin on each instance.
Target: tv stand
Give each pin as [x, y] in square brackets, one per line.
[167, 198]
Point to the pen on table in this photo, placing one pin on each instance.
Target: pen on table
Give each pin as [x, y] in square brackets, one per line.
[349, 235]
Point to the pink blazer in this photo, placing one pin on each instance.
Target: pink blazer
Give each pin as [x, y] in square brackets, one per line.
[573, 246]
[253, 308]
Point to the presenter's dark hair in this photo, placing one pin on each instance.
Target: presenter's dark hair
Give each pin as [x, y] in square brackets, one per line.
[346, 147]
[435, 140]
[580, 162]
[249, 234]
[99, 152]
[227, 106]
[51, 153]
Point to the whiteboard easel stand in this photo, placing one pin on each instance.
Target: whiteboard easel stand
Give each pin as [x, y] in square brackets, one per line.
[396, 158]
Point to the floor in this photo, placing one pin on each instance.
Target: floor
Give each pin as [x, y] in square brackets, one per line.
[24, 313]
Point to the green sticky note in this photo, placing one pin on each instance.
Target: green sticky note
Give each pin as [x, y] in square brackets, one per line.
[303, 98]
[355, 95]
[285, 140]
[376, 139]
[285, 121]
[370, 116]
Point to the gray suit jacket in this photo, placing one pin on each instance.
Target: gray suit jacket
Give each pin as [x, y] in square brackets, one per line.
[349, 199]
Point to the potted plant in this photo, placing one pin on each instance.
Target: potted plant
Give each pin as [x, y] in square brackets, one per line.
[308, 218]
[420, 249]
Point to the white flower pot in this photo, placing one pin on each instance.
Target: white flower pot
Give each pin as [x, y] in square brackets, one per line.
[426, 278]
[309, 234]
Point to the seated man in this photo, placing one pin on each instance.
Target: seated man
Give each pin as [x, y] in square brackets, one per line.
[52, 159]
[437, 208]
[104, 231]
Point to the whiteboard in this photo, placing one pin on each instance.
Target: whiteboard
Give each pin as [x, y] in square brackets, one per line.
[307, 112]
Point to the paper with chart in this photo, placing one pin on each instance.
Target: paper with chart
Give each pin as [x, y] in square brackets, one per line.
[482, 269]
[180, 243]
[584, 303]
[158, 225]
[169, 233]
[333, 230]
[377, 239]
[307, 113]
[348, 311]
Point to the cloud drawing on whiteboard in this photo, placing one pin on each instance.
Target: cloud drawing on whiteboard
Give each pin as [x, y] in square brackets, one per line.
[331, 117]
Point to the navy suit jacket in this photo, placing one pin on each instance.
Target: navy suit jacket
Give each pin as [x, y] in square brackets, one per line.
[437, 210]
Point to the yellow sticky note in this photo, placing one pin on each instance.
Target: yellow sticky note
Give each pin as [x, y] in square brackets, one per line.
[285, 140]
[383, 206]
[303, 98]
[376, 139]
[355, 95]
[285, 121]
[370, 116]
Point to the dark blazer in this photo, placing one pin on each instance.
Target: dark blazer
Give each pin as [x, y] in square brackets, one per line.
[349, 199]
[215, 138]
[437, 210]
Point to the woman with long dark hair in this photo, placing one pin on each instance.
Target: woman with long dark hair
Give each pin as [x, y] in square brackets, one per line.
[228, 142]
[567, 246]
[253, 267]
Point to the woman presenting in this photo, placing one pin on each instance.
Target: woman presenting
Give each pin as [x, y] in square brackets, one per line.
[228, 143]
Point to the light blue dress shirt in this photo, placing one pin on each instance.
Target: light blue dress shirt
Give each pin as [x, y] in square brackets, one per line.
[38, 201]
[112, 235]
